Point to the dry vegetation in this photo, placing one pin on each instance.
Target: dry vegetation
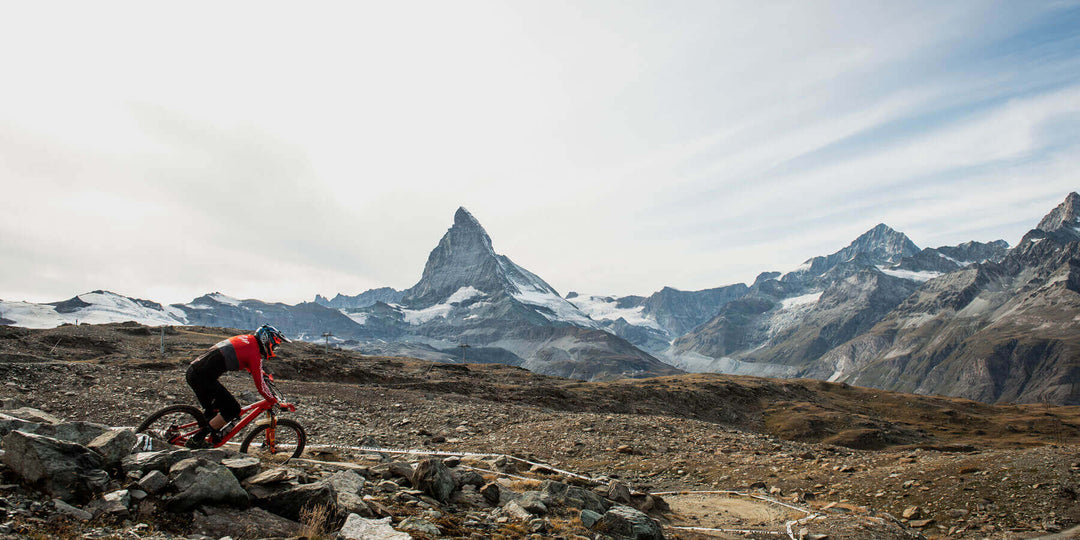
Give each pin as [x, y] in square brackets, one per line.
[974, 470]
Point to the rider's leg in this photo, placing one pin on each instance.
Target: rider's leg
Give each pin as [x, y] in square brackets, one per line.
[218, 421]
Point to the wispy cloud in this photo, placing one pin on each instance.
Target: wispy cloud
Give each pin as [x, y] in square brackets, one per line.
[610, 147]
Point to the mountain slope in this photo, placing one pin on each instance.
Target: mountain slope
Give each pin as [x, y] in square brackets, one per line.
[1007, 331]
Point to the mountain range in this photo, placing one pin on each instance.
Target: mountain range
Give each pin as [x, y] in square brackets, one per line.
[977, 320]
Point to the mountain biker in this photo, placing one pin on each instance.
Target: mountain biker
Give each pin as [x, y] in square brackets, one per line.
[245, 352]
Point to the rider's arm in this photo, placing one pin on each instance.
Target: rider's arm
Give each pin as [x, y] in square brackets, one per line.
[260, 384]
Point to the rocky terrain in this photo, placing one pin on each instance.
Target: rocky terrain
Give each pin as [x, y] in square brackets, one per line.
[717, 452]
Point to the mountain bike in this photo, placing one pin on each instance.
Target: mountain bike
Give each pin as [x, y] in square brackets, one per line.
[272, 439]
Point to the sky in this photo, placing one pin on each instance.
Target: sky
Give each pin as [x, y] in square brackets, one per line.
[282, 150]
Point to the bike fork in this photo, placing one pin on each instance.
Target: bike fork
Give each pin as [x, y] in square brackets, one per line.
[271, 432]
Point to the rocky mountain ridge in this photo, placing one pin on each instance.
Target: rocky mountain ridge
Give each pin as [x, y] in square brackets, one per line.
[785, 324]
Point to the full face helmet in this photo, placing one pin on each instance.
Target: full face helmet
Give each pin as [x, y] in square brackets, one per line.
[268, 338]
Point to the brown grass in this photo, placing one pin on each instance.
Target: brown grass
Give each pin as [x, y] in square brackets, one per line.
[315, 521]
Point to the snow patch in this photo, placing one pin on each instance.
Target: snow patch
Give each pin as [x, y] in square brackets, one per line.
[926, 275]
[224, 299]
[29, 315]
[358, 317]
[604, 308]
[794, 301]
[463, 294]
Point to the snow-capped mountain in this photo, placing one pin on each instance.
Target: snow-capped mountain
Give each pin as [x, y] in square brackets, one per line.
[977, 319]
[95, 307]
[992, 331]
[468, 293]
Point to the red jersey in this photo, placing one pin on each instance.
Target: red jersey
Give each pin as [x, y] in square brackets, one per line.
[242, 352]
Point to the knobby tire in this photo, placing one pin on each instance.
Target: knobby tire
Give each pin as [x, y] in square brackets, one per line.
[283, 425]
[194, 413]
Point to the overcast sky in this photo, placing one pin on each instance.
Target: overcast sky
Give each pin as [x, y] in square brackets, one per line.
[278, 151]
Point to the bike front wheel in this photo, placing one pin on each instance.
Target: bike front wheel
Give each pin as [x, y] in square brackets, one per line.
[281, 444]
[174, 424]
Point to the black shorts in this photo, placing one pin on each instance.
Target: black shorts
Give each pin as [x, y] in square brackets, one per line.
[202, 377]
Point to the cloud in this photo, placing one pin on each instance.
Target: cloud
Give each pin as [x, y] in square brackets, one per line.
[610, 147]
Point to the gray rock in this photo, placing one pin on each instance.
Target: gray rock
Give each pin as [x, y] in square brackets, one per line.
[76, 432]
[31, 414]
[352, 503]
[535, 502]
[243, 467]
[62, 469]
[419, 525]
[399, 469]
[432, 477]
[153, 481]
[291, 503]
[115, 503]
[514, 511]
[629, 523]
[276, 475]
[575, 497]
[113, 445]
[491, 492]
[217, 521]
[468, 478]
[619, 492]
[203, 482]
[67, 509]
[358, 528]
[163, 460]
[347, 482]
[589, 518]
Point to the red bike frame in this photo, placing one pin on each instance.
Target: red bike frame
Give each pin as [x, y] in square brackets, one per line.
[252, 412]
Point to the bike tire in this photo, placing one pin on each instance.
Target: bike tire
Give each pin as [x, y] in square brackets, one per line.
[287, 429]
[180, 411]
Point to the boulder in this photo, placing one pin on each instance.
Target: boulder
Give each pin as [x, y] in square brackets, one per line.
[268, 477]
[575, 497]
[352, 503]
[31, 414]
[358, 528]
[514, 511]
[115, 503]
[153, 481]
[64, 470]
[347, 482]
[468, 478]
[589, 518]
[243, 467]
[219, 522]
[432, 477]
[491, 492]
[535, 502]
[398, 469]
[113, 445]
[290, 503]
[76, 432]
[163, 460]
[628, 523]
[204, 482]
[419, 526]
[77, 513]
[619, 492]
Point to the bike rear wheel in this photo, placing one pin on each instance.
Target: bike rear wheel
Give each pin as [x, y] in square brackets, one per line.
[286, 442]
[174, 424]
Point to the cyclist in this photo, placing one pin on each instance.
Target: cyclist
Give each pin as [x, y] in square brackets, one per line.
[245, 352]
